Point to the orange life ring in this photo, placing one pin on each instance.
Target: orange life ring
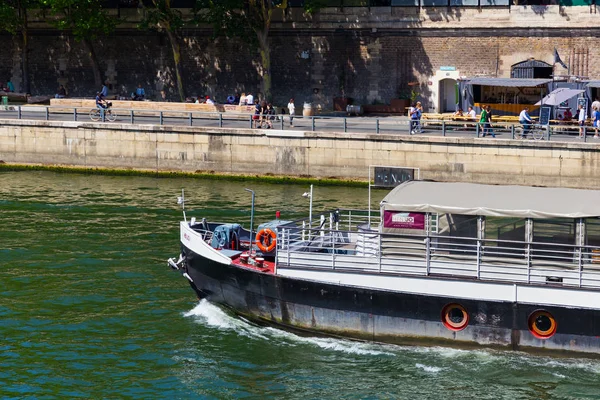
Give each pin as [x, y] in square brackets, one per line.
[455, 317]
[266, 240]
[542, 324]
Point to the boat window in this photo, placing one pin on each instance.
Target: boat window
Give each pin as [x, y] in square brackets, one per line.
[557, 230]
[504, 237]
[553, 239]
[498, 228]
[592, 232]
[464, 226]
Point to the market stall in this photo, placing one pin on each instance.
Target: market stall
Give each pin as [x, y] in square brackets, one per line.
[506, 96]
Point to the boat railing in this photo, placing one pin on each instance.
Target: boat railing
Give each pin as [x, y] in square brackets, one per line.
[368, 251]
[340, 219]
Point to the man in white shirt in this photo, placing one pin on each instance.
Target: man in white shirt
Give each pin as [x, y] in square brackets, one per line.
[581, 117]
[292, 110]
[249, 99]
[209, 100]
[526, 121]
[471, 113]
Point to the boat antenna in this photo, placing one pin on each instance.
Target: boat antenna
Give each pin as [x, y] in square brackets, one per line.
[251, 217]
[310, 196]
[181, 200]
[369, 216]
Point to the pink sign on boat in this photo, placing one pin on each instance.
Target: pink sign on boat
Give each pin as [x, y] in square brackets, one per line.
[403, 220]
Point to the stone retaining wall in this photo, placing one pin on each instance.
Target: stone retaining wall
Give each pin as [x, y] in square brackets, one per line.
[314, 154]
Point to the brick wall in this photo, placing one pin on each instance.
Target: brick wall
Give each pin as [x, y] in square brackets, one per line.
[369, 66]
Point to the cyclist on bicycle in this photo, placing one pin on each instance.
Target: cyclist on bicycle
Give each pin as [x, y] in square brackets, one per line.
[526, 121]
[101, 104]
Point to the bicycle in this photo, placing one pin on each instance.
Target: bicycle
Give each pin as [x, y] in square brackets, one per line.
[536, 132]
[109, 114]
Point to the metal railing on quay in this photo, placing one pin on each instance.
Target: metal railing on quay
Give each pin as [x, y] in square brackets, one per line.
[346, 124]
[485, 259]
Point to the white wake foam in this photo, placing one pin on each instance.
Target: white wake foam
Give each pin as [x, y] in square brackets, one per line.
[428, 368]
[210, 315]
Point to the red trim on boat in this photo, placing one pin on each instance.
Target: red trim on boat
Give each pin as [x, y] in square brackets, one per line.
[255, 263]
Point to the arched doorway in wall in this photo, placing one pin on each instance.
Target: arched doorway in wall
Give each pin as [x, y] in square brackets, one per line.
[448, 92]
[531, 68]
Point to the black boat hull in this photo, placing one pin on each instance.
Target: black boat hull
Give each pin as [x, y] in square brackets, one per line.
[385, 316]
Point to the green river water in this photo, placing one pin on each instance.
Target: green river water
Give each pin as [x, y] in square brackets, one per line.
[89, 309]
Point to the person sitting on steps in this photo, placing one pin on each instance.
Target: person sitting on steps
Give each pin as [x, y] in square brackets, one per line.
[61, 93]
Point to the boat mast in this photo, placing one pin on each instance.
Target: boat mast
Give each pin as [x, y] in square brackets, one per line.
[310, 196]
[251, 217]
[181, 200]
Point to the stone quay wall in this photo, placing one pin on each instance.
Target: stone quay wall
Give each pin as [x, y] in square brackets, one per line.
[294, 153]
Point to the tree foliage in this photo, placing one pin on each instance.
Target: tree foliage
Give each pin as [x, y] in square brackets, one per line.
[14, 19]
[85, 19]
[168, 20]
[249, 20]
[13, 14]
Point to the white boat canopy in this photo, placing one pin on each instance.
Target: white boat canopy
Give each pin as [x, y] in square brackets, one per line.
[492, 200]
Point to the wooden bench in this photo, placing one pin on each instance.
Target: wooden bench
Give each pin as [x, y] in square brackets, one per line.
[146, 108]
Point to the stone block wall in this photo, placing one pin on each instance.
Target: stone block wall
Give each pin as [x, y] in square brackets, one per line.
[315, 154]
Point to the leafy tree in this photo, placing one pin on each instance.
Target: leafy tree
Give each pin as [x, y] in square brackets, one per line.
[237, 18]
[164, 18]
[86, 20]
[13, 19]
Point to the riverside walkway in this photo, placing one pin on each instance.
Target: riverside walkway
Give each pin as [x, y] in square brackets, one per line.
[377, 124]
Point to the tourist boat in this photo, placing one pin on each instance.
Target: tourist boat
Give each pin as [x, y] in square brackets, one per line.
[456, 264]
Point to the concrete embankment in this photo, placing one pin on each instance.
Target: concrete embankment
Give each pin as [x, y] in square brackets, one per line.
[297, 153]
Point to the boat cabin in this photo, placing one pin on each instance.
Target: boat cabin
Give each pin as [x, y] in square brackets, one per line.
[497, 232]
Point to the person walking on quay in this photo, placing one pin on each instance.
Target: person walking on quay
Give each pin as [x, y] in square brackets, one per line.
[581, 117]
[292, 111]
[264, 114]
[256, 116]
[104, 90]
[271, 112]
[490, 130]
[415, 118]
[596, 117]
[596, 103]
[483, 120]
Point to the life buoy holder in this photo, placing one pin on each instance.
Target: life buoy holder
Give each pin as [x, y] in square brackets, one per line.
[455, 317]
[542, 324]
[266, 240]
